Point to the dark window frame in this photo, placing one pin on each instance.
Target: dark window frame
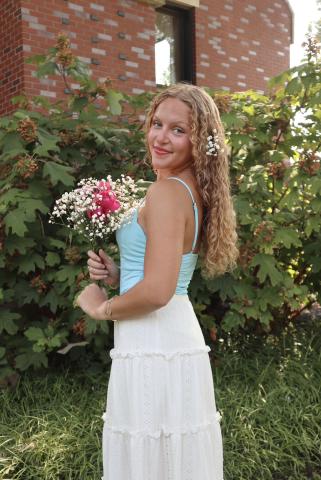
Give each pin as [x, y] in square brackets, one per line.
[186, 18]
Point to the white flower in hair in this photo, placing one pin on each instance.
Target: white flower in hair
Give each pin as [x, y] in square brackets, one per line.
[213, 146]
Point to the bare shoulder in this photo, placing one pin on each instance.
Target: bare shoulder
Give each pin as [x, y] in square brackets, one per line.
[165, 193]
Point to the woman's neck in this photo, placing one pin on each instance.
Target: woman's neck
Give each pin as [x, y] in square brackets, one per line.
[185, 173]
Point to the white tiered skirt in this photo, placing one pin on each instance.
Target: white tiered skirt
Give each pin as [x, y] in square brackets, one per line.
[161, 421]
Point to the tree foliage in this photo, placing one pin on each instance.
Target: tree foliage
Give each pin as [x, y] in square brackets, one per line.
[45, 148]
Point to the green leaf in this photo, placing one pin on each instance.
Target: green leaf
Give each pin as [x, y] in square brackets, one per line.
[11, 145]
[223, 284]
[316, 205]
[100, 139]
[48, 68]
[52, 259]
[104, 326]
[52, 299]
[55, 242]
[15, 221]
[67, 273]
[19, 244]
[269, 296]
[279, 79]
[90, 326]
[244, 289]
[287, 237]
[7, 323]
[294, 86]
[34, 333]
[267, 268]
[25, 293]
[30, 262]
[313, 224]
[266, 318]
[11, 196]
[31, 359]
[114, 99]
[79, 103]
[232, 320]
[37, 59]
[48, 143]
[233, 120]
[289, 200]
[244, 211]
[58, 173]
[30, 206]
[26, 212]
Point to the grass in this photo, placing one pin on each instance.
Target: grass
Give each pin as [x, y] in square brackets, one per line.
[268, 393]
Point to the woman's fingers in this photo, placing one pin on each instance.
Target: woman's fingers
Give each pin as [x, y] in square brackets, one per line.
[104, 257]
[94, 264]
[99, 265]
[97, 271]
[91, 254]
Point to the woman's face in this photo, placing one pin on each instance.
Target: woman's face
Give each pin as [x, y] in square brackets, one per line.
[169, 136]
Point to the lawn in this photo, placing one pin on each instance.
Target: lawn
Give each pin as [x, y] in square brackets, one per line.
[267, 391]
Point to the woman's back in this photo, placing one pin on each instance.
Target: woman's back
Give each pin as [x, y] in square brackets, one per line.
[132, 237]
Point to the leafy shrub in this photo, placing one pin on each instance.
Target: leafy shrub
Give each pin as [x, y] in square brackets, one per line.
[46, 148]
[276, 168]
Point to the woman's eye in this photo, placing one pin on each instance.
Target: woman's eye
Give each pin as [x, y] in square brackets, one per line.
[178, 130]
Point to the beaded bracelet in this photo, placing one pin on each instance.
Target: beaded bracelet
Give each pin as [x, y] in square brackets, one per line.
[109, 312]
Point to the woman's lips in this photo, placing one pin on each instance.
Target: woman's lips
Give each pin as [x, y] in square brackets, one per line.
[160, 151]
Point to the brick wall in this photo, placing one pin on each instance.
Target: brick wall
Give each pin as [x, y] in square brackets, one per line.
[241, 44]
[238, 44]
[11, 54]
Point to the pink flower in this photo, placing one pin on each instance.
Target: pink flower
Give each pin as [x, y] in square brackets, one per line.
[105, 200]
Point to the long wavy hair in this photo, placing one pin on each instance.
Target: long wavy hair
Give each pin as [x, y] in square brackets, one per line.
[218, 250]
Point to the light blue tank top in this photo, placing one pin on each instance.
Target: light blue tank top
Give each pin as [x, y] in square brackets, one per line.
[131, 240]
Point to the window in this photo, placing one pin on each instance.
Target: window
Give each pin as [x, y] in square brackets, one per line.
[174, 53]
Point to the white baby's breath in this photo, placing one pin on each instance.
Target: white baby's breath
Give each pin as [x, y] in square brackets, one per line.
[72, 207]
[213, 146]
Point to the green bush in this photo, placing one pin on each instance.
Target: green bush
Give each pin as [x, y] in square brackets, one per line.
[275, 160]
[47, 148]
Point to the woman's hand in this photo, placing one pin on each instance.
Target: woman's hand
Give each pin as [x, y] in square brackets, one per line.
[91, 300]
[102, 267]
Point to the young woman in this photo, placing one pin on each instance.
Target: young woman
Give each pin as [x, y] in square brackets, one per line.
[161, 421]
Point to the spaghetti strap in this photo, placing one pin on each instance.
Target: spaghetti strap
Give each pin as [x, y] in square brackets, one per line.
[194, 207]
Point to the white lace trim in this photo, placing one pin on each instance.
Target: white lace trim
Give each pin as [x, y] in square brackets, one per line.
[114, 353]
[192, 429]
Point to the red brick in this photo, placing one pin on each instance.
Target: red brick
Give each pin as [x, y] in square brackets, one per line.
[15, 32]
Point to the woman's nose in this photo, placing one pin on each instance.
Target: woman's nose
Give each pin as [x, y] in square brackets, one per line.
[162, 135]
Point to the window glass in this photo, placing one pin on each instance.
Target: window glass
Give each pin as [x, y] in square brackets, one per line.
[173, 50]
[165, 48]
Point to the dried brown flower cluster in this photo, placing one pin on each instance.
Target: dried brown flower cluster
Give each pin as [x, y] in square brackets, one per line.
[39, 284]
[223, 103]
[28, 130]
[26, 166]
[265, 231]
[64, 55]
[247, 253]
[311, 45]
[276, 170]
[310, 164]
[73, 255]
[79, 327]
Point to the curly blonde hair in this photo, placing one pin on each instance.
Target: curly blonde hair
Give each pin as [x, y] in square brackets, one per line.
[218, 250]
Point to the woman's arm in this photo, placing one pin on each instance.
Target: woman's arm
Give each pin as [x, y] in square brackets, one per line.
[165, 228]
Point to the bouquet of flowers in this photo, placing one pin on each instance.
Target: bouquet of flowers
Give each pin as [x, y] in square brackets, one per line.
[97, 207]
